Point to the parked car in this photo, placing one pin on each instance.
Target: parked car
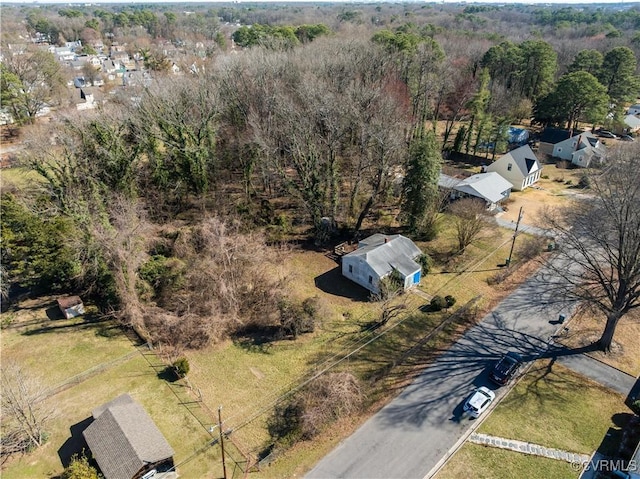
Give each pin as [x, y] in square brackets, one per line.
[479, 401]
[627, 138]
[506, 368]
[606, 134]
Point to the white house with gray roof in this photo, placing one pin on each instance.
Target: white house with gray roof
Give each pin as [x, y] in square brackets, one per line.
[581, 149]
[520, 167]
[490, 187]
[378, 256]
[125, 442]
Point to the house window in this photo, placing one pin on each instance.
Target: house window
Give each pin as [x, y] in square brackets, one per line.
[370, 279]
[509, 166]
[350, 268]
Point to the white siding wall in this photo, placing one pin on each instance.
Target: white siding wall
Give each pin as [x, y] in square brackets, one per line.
[358, 271]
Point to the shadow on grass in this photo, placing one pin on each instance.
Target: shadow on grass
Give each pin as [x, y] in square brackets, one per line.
[54, 313]
[74, 444]
[168, 374]
[258, 340]
[87, 321]
[332, 282]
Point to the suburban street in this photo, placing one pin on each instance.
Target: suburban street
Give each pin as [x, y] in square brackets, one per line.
[409, 436]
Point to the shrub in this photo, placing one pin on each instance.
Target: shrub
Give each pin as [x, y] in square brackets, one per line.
[79, 468]
[585, 181]
[321, 402]
[438, 303]
[181, 366]
[391, 285]
[499, 277]
[425, 261]
[295, 319]
[532, 247]
[450, 300]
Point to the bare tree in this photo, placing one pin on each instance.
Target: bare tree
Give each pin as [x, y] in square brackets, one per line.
[600, 251]
[24, 414]
[469, 218]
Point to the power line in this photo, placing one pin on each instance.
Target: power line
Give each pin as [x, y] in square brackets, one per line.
[296, 385]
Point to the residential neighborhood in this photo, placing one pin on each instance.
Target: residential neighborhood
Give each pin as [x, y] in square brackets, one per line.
[320, 240]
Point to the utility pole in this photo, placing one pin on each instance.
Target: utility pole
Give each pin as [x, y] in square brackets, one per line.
[515, 233]
[224, 466]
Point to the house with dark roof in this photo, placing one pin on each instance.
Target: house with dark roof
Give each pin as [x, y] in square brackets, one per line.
[520, 167]
[581, 150]
[126, 443]
[378, 256]
[490, 187]
[551, 137]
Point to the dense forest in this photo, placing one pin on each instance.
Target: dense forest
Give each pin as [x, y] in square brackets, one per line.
[287, 123]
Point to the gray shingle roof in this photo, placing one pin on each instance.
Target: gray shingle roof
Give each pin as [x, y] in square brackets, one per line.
[123, 439]
[488, 186]
[384, 253]
[524, 158]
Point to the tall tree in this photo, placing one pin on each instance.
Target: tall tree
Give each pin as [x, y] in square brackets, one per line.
[420, 186]
[469, 220]
[589, 61]
[618, 75]
[578, 96]
[30, 82]
[177, 121]
[539, 68]
[600, 259]
[24, 413]
[480, 119]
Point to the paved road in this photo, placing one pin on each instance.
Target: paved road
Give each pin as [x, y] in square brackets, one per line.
[408, 437]
[599, 372]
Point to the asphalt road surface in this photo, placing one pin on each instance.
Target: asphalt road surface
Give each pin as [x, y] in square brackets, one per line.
[408, 437]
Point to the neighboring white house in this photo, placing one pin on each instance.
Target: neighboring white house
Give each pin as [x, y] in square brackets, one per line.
[634, 109]
[491, 187]
[378, 256]
[632, 123]
[520, 167]
[580, 149]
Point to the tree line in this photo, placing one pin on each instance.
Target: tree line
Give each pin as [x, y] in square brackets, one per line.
[311, 139]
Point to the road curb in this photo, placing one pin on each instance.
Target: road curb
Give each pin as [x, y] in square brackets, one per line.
[444, 459]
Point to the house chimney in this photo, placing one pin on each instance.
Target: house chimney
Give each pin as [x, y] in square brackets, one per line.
[386, 239]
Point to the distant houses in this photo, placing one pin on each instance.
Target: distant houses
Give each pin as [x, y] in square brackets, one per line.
[581, 148]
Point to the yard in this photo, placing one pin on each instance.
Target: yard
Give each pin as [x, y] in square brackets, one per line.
[57, 350]
[553, 407]
[247, 375]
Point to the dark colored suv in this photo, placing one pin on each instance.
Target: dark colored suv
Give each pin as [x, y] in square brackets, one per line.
[506, 368]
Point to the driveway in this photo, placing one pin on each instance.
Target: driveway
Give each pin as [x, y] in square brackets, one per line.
[408, 437]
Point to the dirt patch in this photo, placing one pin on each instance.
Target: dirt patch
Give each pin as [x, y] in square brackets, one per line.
[556, 190]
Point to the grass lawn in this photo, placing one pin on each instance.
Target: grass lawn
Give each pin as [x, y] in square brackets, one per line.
[465, 276]
[586, 327]
[551, 406]
[136, 377]
[481, 462]
[20, 178]
[558, 408]
[57, 349]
